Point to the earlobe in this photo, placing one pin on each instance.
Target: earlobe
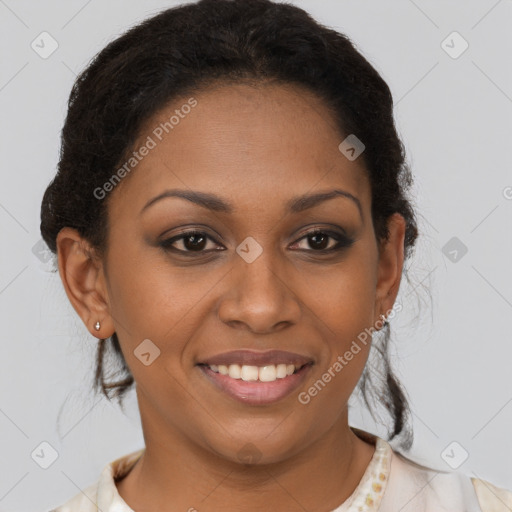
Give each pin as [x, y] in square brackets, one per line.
[82, 276]
[391, 260]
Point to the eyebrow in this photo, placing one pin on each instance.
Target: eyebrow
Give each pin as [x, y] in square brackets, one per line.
[216, 204]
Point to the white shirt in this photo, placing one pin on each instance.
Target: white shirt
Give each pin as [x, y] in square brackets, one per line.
[390, 483]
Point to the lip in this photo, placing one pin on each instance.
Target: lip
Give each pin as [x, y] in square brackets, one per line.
[255, 358]
[255, 392]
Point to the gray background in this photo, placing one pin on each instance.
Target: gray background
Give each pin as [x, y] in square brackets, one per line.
[454, 115]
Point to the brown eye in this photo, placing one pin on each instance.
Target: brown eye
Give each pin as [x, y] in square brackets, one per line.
[191, 241]
[321, 241]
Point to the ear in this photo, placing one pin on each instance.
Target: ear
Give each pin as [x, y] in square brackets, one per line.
[391, 261]
[82, 275]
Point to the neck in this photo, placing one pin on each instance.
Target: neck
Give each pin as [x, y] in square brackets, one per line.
[177, 474]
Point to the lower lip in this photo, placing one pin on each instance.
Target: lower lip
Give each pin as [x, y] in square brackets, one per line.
[256, 392]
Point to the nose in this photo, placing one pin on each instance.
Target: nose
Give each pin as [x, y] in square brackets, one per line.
[260, 296]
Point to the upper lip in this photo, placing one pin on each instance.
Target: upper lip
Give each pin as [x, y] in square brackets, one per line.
[254, 358]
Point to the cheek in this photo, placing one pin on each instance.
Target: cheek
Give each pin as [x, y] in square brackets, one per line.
[150, 300]
[344, 311]
[343, 303]
[146, 298]
[343, 296]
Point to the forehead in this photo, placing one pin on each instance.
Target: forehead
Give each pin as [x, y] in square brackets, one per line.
[246, 142]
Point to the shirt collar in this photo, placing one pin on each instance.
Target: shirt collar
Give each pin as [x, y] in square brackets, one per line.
[108, 498]
[368, 495]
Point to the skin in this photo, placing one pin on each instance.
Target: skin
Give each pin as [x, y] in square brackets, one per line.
[256, 147]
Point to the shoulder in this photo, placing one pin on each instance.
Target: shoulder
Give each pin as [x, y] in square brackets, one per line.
[84, 501]
[416, 487]
[103, 494]
[492, 498]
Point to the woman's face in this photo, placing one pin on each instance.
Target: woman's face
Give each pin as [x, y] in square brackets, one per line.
[256, 278]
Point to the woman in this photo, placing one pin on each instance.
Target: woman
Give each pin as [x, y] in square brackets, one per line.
[230, 215]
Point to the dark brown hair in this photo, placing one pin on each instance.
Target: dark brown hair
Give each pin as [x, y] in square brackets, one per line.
[186, 48]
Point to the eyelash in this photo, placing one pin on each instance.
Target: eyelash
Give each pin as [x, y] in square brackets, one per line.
[343, 242]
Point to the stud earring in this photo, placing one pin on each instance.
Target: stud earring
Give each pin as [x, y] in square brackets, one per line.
[97, 326]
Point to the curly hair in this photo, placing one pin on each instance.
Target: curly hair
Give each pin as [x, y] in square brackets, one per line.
[185, 49]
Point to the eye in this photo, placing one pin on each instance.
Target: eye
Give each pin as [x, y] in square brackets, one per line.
[192, 242]
[318, 239]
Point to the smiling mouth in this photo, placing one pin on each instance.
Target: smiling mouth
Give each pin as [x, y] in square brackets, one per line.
[256, 377]
[256, 385]
[250, 373]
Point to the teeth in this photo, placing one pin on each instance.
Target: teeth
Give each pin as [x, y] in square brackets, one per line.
[249, 372]
[281, 371]
[268, 373]
[234, 371]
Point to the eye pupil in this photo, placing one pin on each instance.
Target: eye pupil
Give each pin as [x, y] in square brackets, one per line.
[317, 243]
[195, 245]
